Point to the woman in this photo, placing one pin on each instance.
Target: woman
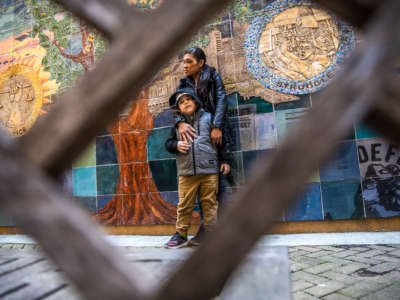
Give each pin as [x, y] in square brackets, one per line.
[209, 88]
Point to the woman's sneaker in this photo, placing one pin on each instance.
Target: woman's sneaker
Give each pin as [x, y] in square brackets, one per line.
[176, 240]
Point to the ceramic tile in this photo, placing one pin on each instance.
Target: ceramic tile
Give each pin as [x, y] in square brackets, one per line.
[84, 181]
[102, 201]
[237, 171]
[303, 102]
[65, 180]
[110, 210]
[106, 152]
[308, 207]
[156, 144]
[5, 220]
[364, 132]
[87, 203]
[381, 197]
[234, 133]
[261, 106]
[285, 119]
[164, 119]
[252, 159]
[107, 179]
[136, 179]
[344, 165]
[266, 136]
[378, 158]
[87, 157]
[133, 147]
[248, 133]
[342, 200]
[170, 197]
[164, 174]
[232, 104]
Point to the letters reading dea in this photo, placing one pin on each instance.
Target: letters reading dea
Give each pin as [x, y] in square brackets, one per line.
[299, 43]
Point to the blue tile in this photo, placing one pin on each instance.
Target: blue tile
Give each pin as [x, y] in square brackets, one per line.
[308, 207]
[382, 197]
[156, 144]
[105, 151]
[88, 203]
[342, 200]
[164, 174]
[252, 159]
[344, 165]
[102, 201]
[5, 220]
[166, 118]
[170, 197]
[107, 179]
[84, 181]
[364, 132]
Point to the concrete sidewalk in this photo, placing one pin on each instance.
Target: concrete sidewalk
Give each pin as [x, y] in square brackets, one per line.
[322, 266]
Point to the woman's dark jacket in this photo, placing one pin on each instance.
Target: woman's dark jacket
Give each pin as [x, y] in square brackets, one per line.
[211, 91]
[202, 157]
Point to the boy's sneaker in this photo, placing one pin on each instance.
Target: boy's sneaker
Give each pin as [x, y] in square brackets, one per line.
[198, 238]
[175, 241]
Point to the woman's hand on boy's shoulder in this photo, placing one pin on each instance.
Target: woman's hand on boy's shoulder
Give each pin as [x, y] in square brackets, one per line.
[183, 147]
[187, 132]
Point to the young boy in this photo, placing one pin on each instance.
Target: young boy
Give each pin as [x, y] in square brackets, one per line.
[198, 165]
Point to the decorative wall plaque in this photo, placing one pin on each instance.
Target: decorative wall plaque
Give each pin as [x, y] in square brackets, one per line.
[20, 99]
[295, 47]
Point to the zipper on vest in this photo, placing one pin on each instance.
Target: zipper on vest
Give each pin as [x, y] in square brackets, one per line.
[198, 134]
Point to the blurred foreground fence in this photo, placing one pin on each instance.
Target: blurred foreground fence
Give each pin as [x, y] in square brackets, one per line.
[366, 88]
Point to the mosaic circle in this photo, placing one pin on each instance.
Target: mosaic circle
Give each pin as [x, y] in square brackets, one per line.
[296, 47]
[20, 99]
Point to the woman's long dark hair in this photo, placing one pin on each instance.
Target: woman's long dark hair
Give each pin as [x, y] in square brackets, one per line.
[206, 70]
[198, 53]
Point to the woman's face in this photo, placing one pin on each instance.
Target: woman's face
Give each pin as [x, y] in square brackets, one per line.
[190, 65]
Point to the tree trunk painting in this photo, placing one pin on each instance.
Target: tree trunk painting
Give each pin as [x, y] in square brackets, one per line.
[137, 200]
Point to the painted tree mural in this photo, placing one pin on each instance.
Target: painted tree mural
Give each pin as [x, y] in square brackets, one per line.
[72, 48]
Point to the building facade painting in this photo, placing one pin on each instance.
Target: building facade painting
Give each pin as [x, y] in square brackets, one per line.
[126, 177]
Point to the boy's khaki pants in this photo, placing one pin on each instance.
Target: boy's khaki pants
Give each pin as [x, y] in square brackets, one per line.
[207, 186]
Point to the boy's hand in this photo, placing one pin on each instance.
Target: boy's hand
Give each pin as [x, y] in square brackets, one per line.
[183, 147]
[187, 132]
[216, 136]
[225, 169]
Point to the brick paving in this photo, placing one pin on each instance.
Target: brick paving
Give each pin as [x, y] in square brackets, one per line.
[345, 272]
[363, 272]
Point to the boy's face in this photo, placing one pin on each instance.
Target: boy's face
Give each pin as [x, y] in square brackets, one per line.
[186, 105]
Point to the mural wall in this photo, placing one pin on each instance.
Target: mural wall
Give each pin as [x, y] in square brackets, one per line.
[272, 55]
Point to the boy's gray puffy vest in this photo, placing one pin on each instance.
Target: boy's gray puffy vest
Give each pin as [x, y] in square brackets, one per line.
[202, 158]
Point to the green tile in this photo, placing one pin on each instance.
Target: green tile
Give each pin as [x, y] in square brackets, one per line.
[87, 158]
[107, 179]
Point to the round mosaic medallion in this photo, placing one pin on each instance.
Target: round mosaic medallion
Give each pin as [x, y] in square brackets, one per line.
[295, 47]
[20, 99]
